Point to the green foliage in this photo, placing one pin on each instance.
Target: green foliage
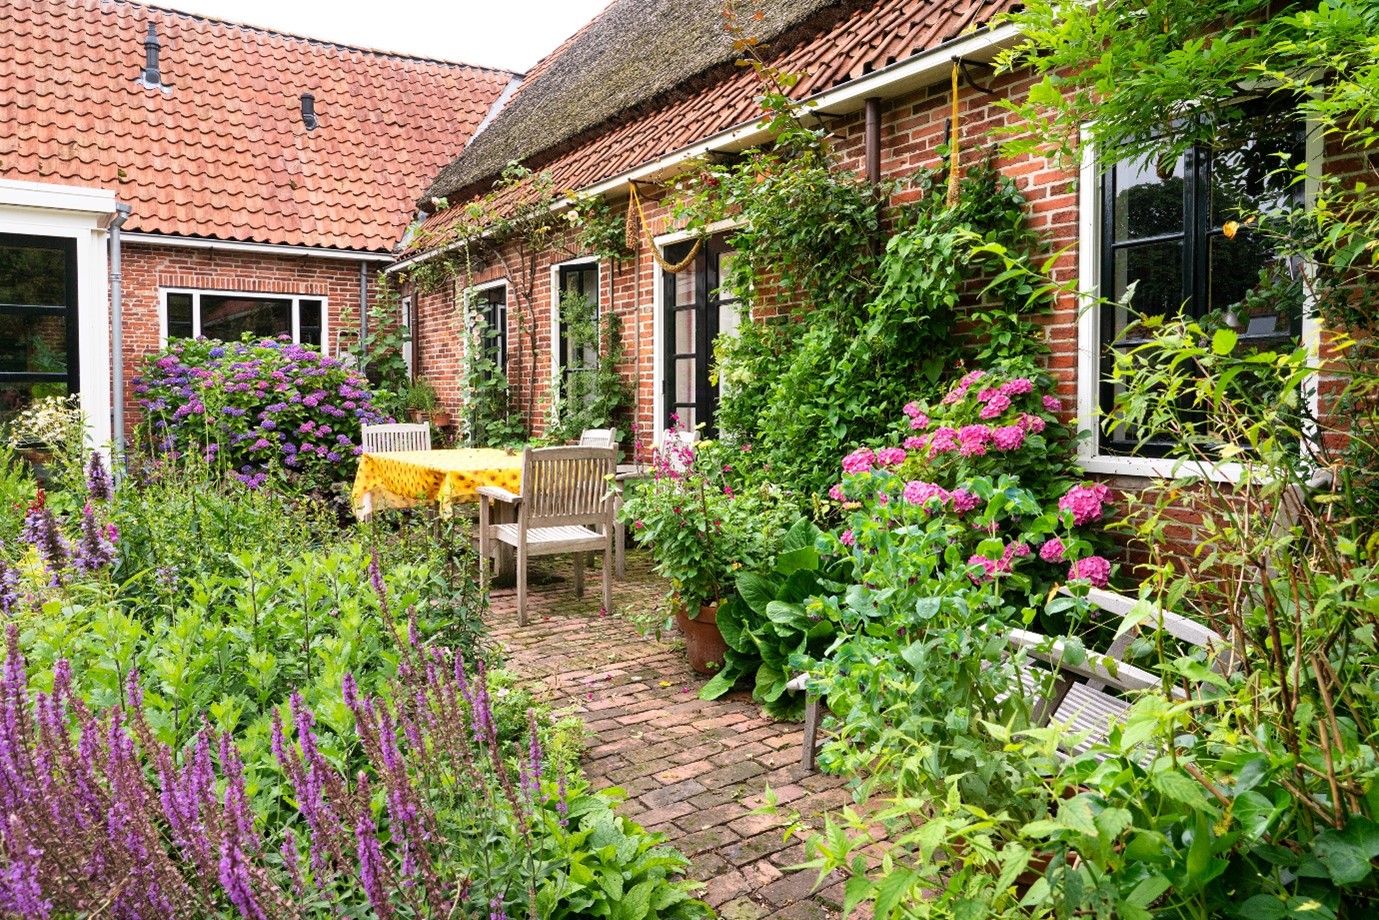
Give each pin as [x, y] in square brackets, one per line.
[598, 228]
[17, 489]
[379, 352]
[773, 625]
[591, 389]
[489, 418]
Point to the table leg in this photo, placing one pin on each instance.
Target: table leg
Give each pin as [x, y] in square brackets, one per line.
[504, 556]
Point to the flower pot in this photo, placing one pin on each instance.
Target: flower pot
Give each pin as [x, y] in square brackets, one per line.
[440, 419]
[416, 415]
[703, 642]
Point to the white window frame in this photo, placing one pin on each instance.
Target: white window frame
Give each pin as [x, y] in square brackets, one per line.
[1090, 457]
[658, 331]
[196, 293]
[408, 346]
[595, 261]
[469, 293]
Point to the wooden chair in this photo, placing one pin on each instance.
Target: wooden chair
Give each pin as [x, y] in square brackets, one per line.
[565, 507]
[606, 438]
[380, 438]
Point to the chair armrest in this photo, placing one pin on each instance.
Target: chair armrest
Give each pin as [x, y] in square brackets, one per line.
[497, 494]
[798, 682]
[1054, 652]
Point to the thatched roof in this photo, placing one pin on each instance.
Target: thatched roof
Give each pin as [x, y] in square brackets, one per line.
[635, 54]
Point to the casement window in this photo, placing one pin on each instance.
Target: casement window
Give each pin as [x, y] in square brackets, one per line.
[580, 279]
[696, 311]
[490, 303]
[38, 319]
[1163, 229]
[405, 322]
[217, 315]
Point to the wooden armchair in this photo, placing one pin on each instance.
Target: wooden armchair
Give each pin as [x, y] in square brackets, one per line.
[564, 508]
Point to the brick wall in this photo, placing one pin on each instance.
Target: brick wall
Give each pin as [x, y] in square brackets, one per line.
[147, 269]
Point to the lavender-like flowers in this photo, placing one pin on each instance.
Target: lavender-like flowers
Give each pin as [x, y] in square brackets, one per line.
[99, 486]
[42, 532]
[96, 549]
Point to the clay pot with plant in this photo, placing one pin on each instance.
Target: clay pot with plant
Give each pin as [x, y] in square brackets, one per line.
[422, 401]
[702, 529]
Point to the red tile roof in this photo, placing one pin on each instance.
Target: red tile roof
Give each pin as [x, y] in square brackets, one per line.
[865, 38]
[223, 153]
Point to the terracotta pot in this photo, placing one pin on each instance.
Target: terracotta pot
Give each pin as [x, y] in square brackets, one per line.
[440, 419]
[703, 642]
[416, 415]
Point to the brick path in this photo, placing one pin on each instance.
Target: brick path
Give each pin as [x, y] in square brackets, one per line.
[692, 770]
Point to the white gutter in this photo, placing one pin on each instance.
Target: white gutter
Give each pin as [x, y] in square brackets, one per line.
[903, 76]
[272, 249]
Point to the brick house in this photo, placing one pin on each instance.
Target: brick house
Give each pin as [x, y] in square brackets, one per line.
[648, 89]
[267, 178]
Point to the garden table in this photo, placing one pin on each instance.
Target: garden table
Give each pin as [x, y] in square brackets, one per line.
[407, 478]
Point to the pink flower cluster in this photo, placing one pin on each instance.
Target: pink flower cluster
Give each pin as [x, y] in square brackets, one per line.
[1052, 551]
[918, 420]
[1085, 502]
[959, 391]
[890, 456]
[1003, 566]
[859, 461]
[972, 440]
[995, 406]
[1096, 569]
[921, 493]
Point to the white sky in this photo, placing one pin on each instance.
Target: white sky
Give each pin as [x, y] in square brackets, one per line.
[512, 34]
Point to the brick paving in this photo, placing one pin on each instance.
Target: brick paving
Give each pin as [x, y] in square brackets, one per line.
[693, 770]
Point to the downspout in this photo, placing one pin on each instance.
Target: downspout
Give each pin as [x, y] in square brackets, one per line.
[873, 139]
[363, 316]
[122, 212]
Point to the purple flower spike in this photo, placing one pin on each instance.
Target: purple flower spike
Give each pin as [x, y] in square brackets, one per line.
[98, 482]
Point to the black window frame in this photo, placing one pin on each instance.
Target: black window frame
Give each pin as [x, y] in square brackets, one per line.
[1196, 233]
[69, 309]
[708, 300]
[573, 277]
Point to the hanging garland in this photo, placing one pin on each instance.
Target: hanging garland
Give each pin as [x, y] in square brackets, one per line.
[634, 204]
[953, 163]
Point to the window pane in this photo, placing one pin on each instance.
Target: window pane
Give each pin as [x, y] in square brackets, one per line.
[1157, 271]
[180, 316]
[34, 343]
[32, 275]
[228, 318]
[686, 286]
[1147, 205]
[1260, 294]
[309, 322]
[684, 332]
[727, 318]
[16, 397]
[684, 380]
[1256, 173]
[688, 418]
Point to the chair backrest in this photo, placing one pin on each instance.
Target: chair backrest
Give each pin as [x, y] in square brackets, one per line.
[567, 485]
[599, 437]
[380, 438]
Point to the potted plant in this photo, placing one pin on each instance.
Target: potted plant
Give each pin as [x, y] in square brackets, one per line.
[702, 528]
[422, 401]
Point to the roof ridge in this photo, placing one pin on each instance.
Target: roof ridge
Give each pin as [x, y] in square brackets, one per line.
[327, 43]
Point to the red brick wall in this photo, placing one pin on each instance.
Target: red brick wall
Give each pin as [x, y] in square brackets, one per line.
[146, 269]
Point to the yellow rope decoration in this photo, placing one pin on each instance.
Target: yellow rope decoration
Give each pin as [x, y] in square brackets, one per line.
[634, 202]
[953, 162]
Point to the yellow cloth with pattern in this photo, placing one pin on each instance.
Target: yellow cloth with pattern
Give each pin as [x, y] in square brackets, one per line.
[405, 478]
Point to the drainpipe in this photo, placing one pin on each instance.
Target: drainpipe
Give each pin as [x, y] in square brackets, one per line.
[363, 316]
[873, 139]
[122, 212]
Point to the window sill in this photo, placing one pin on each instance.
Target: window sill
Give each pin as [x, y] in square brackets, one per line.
[1159, 468]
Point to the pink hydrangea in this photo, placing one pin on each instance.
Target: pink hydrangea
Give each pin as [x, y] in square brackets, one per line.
[913, 409]
[995, 407]
[847, 539]
[1017, 387]
[859, 461]
[890, 456]
[918, 492]
[1032, 423]
[971, 378]
[915, 443]
[943, 440]
[1010, 437]
[987, 394]
[836, 493]
[1052, 403]
[1052, 550]
[1017, 550]
[954, 395]
[1085, 502]
[964, 501]
[919, 422]
[990, 567]
[1096, 569]
[972, 440]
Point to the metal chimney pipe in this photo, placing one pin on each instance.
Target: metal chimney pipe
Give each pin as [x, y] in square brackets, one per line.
[309, 111]
[872, 135]
[151, 45]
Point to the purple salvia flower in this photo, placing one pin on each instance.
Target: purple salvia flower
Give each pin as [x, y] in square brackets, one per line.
[41, 531]
[376, 579]
[21, 895]
[94, 551]
[372, 870]
[234, 876]
[9, 585]
[236, 799]
[532, 770]
[562, 804]
[495, 909]
[292, 862]
[98, 483]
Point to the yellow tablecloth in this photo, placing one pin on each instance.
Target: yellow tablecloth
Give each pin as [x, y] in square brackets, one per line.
[405, 478]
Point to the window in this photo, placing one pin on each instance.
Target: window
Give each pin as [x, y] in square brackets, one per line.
[697, 311]
[578, 292]
[38, 319]
[405, 321]
[195, 314]
[491, 304]
[1163, 230]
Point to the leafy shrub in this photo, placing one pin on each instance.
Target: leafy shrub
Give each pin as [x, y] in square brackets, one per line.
[590, 389]
[257, 409]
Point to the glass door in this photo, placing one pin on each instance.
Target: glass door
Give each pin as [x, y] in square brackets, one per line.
[38, 319]
[696, 312]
